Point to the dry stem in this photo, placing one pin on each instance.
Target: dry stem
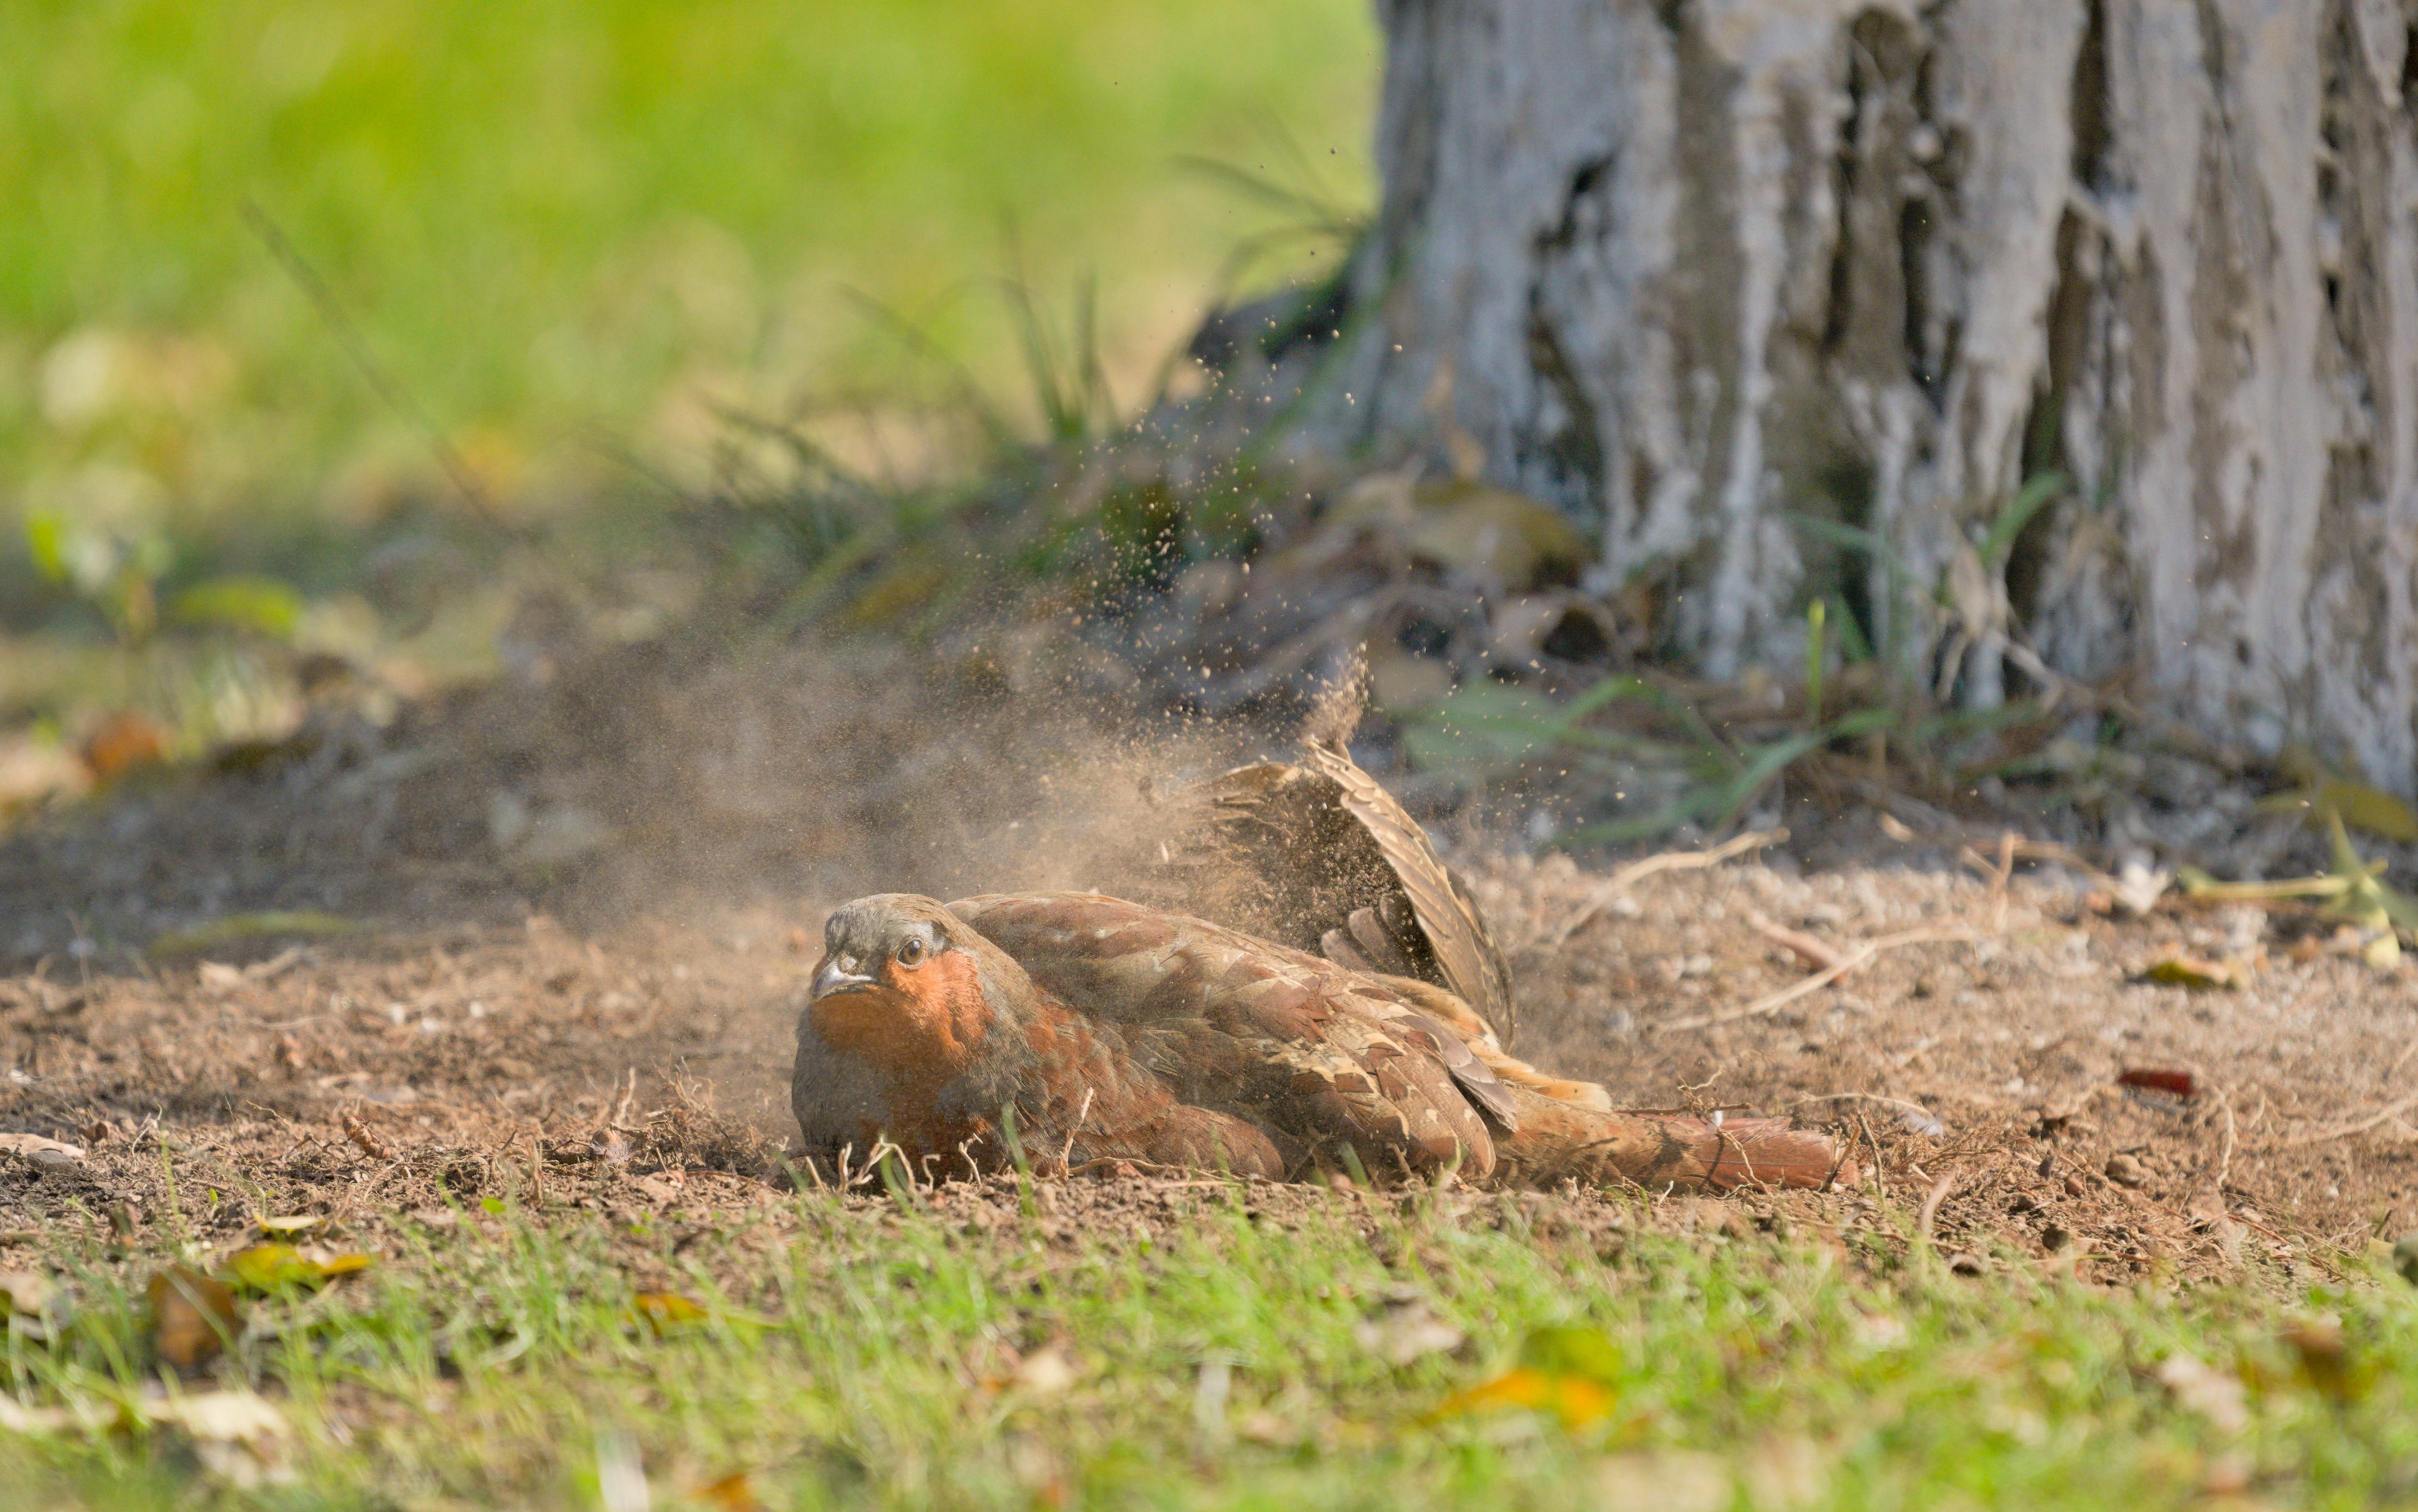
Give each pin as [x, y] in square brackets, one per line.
[1820, 980]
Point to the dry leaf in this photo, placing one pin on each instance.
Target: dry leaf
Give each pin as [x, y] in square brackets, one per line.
[734, 1492]
[125, 741]
[2213, 1394]
[41, 1152]
[1046, 1372]
[2326, 1363]
[240, 1437]
[1878, 1331]
[1504, 538]
[1576, 1401]
[2191, 972]
[16, 1419]
[27, 1291]
[295, 1224]
[193, 1317]
[2138, 887]
[1670, 1480]
[1273, 1429]
[1573, 1373]
[30, 1304]
[2372, 809]
[664, 1312]
[1406, 1331]
[2358, 804]
[271, 1267]
[1568, 625]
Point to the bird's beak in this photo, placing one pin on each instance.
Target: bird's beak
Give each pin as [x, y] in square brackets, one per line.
[833, 976]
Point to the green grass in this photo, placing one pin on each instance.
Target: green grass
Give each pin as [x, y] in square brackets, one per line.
[855, 1359]
[557, 222]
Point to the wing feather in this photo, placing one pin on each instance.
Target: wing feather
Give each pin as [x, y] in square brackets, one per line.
[1471, 963]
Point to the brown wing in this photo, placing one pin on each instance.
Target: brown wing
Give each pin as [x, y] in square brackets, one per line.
[1323, 860]
[1323, 1056]
[1464, 950]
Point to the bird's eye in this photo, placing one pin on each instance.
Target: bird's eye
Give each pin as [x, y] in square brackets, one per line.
[911, 952]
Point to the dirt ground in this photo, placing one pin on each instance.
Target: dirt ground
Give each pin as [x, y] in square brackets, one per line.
[581, 915]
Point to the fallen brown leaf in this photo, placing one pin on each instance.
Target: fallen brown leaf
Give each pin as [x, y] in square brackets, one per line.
[2326, 1365]
[30, 1304]
[40, 1151]
[734, 1492]
[238, 1436]
[193, 1318]
[125, 741]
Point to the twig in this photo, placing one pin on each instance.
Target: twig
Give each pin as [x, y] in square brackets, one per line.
[2024, 847]
[1926, 1114]
[1880, 1180]
[1668, 861]
[2225, 1158]
[1066, 1156]
[2382, 1115]
[1820, 978]
[1722, 1137]
[1939, 1190]
[1811, 949]
[1677, 860]
[884, 1149]
[2000, 878]
[2398, 1061]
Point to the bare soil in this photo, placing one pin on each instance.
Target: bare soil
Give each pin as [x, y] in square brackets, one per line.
[606, 1024]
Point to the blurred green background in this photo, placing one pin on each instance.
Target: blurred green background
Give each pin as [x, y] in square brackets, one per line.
[570, 231]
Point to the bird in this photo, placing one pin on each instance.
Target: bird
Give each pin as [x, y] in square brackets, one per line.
[1081, 1032]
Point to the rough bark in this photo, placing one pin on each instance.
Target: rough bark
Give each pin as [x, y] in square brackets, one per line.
[1697, 270]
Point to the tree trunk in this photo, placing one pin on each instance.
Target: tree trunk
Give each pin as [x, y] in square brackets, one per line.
[1736, 281]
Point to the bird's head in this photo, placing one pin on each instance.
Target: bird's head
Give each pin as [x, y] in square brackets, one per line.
[907, 985]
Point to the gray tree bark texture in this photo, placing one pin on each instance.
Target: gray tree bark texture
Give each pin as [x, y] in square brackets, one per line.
[1704, 272]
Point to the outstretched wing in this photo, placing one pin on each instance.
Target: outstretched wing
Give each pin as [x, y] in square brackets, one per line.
[1322, 859]
[1321, 1056]
[1464, 950]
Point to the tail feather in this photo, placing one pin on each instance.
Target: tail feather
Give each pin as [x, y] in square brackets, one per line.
[1586, 1095]
[1560, 1139]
